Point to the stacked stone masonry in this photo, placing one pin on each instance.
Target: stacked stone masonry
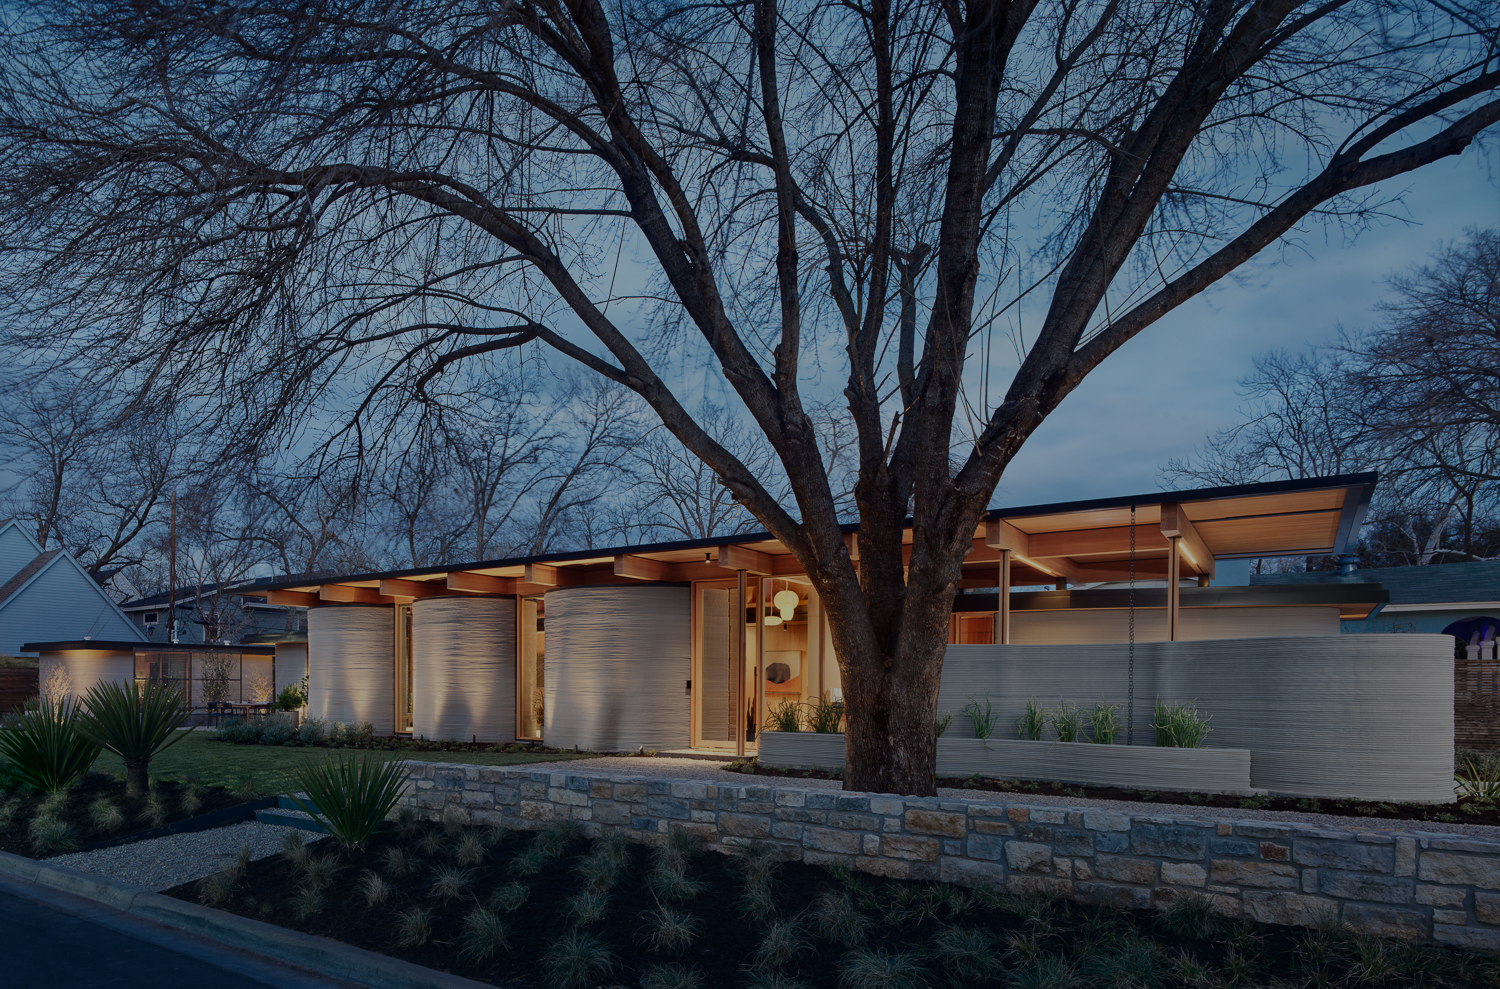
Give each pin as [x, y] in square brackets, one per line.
[1406, 884]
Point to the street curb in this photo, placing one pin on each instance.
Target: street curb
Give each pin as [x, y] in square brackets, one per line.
[320, 955]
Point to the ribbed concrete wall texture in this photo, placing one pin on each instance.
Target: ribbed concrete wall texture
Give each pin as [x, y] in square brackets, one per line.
[1351, 716]
[464, 668]
[291, 663]
[351, 665]
[1397, 881]
[618, 662]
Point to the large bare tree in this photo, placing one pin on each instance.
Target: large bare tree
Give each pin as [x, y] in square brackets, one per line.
[278, 206]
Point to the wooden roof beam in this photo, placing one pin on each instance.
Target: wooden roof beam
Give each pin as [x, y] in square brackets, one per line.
[1001, 535]
[398, 588]
[742, 558]
[478, 583]
[640, 568]
[293, 599]
[1176, 524]
[1077, 543]
[344, 594]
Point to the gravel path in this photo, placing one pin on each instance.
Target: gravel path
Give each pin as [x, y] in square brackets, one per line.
[162, 863]
[710, 772]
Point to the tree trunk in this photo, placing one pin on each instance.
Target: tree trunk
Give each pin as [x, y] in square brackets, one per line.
[136, 781]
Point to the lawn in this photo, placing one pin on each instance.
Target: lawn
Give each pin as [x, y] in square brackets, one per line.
[269, 768]
[553, 909]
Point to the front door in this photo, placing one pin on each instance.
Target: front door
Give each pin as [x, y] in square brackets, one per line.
[718, 652]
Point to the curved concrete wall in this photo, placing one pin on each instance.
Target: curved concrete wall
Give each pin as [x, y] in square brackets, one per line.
[618, 661]
[351, 665]
[1338, 716]
[464, 668]
[86, 667]
[291, 663]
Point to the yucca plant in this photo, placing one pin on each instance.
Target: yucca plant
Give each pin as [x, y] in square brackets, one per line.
[134, 724]
[42, 749]
[1478, 779]
[350, 797]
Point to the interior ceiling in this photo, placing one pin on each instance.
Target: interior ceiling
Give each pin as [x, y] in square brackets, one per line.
[1080, 543]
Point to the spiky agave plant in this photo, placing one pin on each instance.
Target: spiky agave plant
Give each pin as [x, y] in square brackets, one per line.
[42, 749]
[135, 724]
[351, 797]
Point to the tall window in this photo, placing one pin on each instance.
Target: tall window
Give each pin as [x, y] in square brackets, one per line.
[531, 670]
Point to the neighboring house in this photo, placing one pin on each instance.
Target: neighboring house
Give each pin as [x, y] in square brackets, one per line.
[48, 595]
[211, 613]
[1458, 599]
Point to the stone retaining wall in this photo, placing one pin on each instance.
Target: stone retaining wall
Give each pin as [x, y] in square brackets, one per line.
[1402, 883]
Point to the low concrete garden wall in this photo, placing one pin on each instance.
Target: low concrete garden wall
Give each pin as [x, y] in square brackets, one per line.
[1402, 883]
[1130, 766]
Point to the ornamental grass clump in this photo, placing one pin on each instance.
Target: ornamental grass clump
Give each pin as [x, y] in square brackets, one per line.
[1191, 915]
[1067, 721]
[1102, 726]
[588, 908]
[983, 717]
[190, 800]
[784, 941]
[153, 811]
[135, 723]
[106, 816]
[50, 835]
[968, 956]
[398, 862]
[670, 976]
[825, 716]
[483, 936]
[470, 849]
[413, 927]
[42, 749]
[838, 919]
[1029, 725]
[307, 902]
[510, 897]
[578, 961]
[351, 797]
[373, 888]
[786, 716]
[449, 882]
[1179, 726]
[431, 843]
[669, 931]
[318, 871]
[866, 969]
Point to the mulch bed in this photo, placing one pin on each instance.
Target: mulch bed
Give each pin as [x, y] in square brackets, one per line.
[1032, 941]
[76, 811]
[1466, 812]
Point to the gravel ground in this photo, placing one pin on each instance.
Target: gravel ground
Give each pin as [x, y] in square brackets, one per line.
[710, 772]
[162, 863]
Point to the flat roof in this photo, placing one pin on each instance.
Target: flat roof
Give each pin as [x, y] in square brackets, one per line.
[1085, 541]
[125, 645]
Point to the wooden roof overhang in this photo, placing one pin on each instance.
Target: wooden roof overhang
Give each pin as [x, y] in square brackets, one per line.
[1081, 542]
[1355, 602]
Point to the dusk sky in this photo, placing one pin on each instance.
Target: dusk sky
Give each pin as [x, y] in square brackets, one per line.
[1159, 396]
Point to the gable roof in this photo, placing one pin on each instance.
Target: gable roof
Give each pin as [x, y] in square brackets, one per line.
[1439, 583]
[24, 576]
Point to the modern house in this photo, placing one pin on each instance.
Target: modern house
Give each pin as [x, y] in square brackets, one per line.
[48, 595]
[686, 645]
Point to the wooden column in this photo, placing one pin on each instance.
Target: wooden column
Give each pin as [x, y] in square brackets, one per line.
[1174, 592]
[1002, 609]
[737, 667]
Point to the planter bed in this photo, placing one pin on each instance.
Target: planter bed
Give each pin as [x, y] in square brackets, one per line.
[76, 813]
[1463, 812]
[1032, 940]
[1128, 766]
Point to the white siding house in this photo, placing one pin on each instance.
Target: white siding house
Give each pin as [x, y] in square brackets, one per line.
[49, 596]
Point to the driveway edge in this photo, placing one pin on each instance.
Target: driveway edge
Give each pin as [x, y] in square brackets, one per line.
[321, 955]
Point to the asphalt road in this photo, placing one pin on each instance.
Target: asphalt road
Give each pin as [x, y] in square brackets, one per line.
[52, 939]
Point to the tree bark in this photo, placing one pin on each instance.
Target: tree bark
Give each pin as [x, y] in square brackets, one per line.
[137, 783]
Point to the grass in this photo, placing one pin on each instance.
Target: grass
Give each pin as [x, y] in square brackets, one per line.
[273, 768]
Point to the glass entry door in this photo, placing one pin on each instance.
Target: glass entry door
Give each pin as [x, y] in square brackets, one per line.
[403, 668]
[531, 670]
[718, 653]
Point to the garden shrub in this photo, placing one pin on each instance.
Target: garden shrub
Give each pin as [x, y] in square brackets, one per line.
[42, 749]
[239, 730]
[277, 729]
[312, 731]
